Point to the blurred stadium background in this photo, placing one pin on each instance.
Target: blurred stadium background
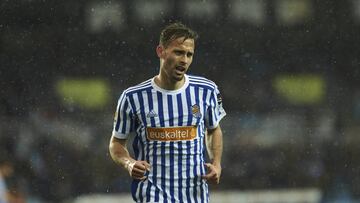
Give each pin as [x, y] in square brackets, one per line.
[289, 72]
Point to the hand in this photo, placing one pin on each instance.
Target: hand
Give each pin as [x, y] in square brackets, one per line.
[213, 173]
[137, 169]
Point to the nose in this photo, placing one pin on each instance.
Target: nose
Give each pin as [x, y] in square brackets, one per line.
[184, 60]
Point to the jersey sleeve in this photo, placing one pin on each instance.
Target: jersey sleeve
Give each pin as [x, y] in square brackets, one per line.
[123, 119]
[215, 111]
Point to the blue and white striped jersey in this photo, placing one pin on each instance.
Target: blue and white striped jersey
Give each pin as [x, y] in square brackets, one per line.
[170, 128]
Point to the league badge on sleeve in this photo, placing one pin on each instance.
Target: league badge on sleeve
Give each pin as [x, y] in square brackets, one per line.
[219, 98]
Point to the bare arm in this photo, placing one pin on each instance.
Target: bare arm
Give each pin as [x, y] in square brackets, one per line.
[121, 156]
[214, 145]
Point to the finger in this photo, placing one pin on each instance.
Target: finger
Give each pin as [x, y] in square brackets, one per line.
[208, 165]
[210, 169]
[137, 174]
[147, 165]
[143, 178]
[141, 171]
[213, 180]
[138, 171]
[209, 175]
[140, 165]
[139, 177]
[216, 180]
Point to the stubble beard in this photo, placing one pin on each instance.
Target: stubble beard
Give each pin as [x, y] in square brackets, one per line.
[178, 77]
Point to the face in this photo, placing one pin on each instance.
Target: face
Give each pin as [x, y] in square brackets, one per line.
[176, 58]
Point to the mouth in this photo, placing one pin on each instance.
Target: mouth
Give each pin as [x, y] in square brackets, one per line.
[180, 68]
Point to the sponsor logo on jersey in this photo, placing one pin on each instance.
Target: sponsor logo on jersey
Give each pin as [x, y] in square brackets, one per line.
[171, 133]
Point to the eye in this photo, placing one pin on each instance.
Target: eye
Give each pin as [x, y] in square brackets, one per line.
[177, 52]
[189, 54]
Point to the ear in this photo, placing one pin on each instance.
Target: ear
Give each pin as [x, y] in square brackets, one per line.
[160, 51]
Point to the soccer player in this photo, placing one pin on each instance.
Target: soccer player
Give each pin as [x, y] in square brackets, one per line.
[172, 115]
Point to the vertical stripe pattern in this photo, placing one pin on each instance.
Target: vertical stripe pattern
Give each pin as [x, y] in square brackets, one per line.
[176, 166]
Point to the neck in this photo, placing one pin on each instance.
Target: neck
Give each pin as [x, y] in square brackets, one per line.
[168, 84]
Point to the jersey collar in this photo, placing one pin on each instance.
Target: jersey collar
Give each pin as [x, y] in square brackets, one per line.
[185, 85]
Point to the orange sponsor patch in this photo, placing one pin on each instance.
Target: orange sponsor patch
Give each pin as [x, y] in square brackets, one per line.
[171, 133]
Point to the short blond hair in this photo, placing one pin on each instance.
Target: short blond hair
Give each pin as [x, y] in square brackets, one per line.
[174, 31]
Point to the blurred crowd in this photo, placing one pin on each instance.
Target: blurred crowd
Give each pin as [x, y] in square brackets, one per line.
[55, 151]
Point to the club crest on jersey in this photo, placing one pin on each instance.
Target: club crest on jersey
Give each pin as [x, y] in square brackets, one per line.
[195, 109]
[151, 114]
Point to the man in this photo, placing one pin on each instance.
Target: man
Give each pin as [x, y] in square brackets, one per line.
[171, 114]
